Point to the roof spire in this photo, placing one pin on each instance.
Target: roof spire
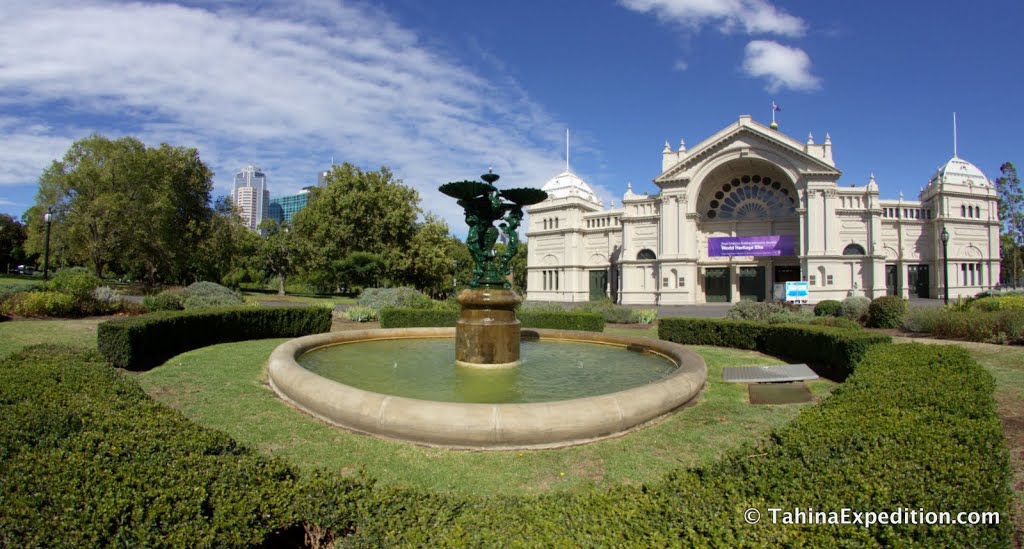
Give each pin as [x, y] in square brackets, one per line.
[682, 145]
[954, 135]
[810, 138]
[567, 149]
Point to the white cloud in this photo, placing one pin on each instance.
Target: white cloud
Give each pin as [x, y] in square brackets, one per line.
[681, 66]
[784, 67]
[285, 87]
[748, 16]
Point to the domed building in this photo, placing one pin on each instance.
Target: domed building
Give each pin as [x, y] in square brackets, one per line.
[749, 209]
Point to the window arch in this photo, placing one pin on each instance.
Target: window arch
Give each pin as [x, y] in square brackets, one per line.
[646, 255]
[963, 210]
[752, 197]
[854, 249]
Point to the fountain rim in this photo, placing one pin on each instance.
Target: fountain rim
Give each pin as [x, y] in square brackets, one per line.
[476, 425]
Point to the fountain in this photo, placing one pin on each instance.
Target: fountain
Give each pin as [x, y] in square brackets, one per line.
[491, 394]
[487, 332]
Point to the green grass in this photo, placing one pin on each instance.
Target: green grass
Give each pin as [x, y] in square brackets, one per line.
[262, 297]
[79, 332]
[223, 387]
[20, 281]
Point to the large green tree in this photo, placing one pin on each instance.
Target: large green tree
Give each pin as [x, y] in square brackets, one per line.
[227, 251]
[12, 242]
[121, 206]
[1011, 218]
[428, 262]
[277, 252]
[357, 211]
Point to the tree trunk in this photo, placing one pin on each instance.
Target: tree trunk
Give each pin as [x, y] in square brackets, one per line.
[280, 285]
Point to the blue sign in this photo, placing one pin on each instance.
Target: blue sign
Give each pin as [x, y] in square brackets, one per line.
[796, 291]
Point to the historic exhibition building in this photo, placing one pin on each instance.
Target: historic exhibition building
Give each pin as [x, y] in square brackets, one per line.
[749, 209]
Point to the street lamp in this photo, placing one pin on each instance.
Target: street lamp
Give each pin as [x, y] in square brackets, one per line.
[48, 218]
[945, 261]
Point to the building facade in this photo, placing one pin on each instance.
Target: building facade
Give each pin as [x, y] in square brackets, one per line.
[749, 209]
[284, 208]
[251, 196]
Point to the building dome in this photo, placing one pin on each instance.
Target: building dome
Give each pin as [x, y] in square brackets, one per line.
[568, 184]
[960, 172]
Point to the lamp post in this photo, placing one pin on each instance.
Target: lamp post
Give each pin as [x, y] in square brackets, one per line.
[455, 276]
[48, 218]
[945, 261]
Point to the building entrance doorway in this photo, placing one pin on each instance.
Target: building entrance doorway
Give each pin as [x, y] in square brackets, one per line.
[751, 283]
[917, 279]
[716, 285]
[598, 285]
[787, 273]
[892, 283]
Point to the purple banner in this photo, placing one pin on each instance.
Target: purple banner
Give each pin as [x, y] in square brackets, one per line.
[751, 246]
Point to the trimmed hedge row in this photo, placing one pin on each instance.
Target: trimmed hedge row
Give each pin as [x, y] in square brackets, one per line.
[427, 318]
[88, 460]
[142, 342]
[833, 350]
[914, 427]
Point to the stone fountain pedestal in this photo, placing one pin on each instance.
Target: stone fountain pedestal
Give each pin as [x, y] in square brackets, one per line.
[487, 332]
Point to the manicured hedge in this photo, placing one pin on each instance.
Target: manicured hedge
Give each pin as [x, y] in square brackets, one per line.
[835, 351]
[414, 318]
[142, 342]
[587, 322]
[88, 460]
[418, 318]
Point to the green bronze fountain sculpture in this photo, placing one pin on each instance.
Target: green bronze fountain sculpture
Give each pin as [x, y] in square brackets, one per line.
[487, 332]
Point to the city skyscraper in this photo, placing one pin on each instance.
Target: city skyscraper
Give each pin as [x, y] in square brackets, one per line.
[284, 208]
[251, 195]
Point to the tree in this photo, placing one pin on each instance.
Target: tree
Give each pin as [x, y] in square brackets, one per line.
[359, 269]
[427, 265]
[12, 242]
[277, 251]
[228, 248]
[356, 212]
[120, 205]
[1011, 217]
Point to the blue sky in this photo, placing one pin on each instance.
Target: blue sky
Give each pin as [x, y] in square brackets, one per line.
[441, 90]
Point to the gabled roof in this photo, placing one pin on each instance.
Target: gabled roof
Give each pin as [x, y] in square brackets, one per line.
[745, 125]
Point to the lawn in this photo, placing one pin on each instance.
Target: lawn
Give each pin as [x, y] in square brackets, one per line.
[19, 281]
[234, 398]
[79, 332]
[264, 297]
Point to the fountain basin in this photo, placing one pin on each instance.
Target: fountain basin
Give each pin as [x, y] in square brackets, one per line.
[484, 426]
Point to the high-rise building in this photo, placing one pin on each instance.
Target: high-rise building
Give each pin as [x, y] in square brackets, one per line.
[251, 196]
[285, 207]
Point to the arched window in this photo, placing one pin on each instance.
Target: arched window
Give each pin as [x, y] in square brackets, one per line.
[854, 249]
[752, 197]
[646, 255]
[963, 211]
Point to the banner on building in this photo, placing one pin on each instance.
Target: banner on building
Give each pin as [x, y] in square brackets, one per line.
[752, 246]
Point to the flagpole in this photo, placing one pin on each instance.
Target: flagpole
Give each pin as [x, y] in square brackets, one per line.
[773, 111]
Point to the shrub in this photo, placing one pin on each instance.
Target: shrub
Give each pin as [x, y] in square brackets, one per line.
[887, 312]
[753, 310]
[924, 319]
[163, 301]
[856, 308]
[835, 349]
[644, 316]
[40, 304]
[106, 294]
[77, 282]
[836, 322]
[828, 307]
[583, 321]
[1011, 323]
[201, 295]
[417, 318]
[90, 461]
[999, 303]
[360, 314]
[141, 342]
[397, 298]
